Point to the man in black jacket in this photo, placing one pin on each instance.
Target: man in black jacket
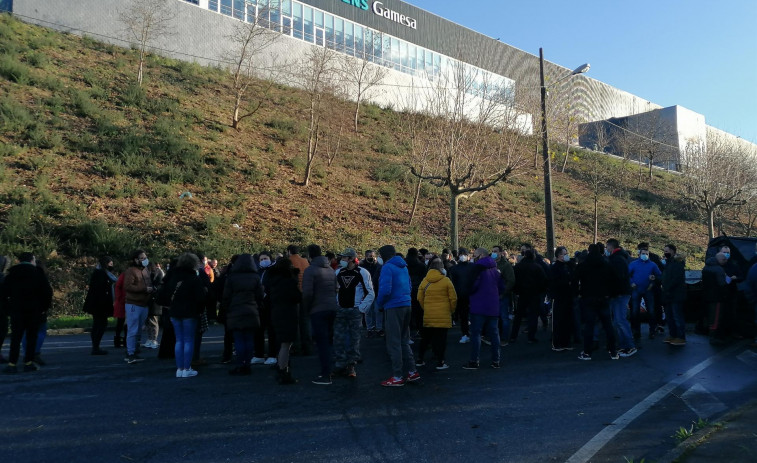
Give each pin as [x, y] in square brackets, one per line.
[462, 276]
[620, 293]
[417, 270]
[374, 320]
[531, 284]
[28, 295]
[593, 278]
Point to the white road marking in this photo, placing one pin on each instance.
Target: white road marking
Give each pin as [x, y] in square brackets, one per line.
[749, 357]
[596, 443]
[702, 402]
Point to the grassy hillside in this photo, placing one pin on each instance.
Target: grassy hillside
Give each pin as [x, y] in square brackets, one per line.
[91, 163]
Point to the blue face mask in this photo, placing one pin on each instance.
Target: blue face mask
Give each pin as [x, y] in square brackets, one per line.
[265, 263]
[607, 252]
[495, 255]
[727, 255]
[644, 257]
[343, 263]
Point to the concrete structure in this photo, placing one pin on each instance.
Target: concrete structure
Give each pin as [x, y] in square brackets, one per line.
[421, 51]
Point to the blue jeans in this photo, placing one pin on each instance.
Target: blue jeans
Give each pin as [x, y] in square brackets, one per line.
[322, 324]
[374, 320]
[185, 329]
[135, 320]
[41, 335]
[477, 323]
[636, 307]
[244, 342]
[676, 320]
[619, 309]
[504, 319]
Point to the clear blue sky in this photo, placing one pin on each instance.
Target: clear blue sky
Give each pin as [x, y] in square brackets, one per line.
[698, 54]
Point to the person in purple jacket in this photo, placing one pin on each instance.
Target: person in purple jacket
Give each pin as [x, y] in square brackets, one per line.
[484, 307]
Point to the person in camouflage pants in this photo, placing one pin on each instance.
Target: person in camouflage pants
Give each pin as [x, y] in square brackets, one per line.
[354, 298]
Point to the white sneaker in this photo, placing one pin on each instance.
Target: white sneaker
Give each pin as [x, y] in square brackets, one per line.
[179, 373]
[147, 344]
[188, 373]
[257, 361]
[271, 361]
[464, 340]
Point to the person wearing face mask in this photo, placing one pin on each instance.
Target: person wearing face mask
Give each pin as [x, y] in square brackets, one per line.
[484, 307]
[438, 299]
[659, 309]
[374, 320]
[644, 276]
[354, 297]
[507, 273]
[462, 279]
[138, 289]
[318, 289]
[99, 301]
[561, 292]
[417, 269]
[263, 356]
[531, 284]
[674, 295]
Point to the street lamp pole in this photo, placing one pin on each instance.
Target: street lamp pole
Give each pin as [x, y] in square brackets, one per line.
[548, 209]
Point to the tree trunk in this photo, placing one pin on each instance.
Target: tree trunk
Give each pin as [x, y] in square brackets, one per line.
[454, 200]
[596, 217]
[235, 117]
[650, 169]
[357, 111]
[565, 161]
[139, 71]
[308, 168]
[415, 198]
[711, 222]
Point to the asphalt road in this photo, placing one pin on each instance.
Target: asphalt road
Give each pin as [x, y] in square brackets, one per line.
[541, 406]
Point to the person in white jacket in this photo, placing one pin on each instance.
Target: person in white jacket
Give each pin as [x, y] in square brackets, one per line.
[354, 298]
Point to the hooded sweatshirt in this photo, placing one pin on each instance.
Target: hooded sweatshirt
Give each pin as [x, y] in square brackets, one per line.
[438, 299]
[394, 284]
[318, 287]
[484, 296]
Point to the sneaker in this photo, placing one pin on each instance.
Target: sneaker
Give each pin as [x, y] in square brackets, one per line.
[179, 373]
[465, 339]
[134, 358]
[668, 339]
[471, 366]
[442, 366]
[678, 342]
[413, 376]
[38, 360]
[420, 363]
[322, 380]
[351, 373]
[271, 361]
[614, 355]
[495, 365]
[393, 382]
[30, 366]
[627, 352]
[584, 356]
[10, 369]
[486, 341]
[380, 333]
[257, 361]
[147, 345]
[189, 373]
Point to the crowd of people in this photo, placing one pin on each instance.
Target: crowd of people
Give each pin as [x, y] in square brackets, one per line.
[273, 306]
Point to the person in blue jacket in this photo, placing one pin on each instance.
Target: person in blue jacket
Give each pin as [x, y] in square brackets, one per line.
[644, 275]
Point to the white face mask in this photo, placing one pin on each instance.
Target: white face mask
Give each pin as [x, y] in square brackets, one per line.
[380, 261]
[463, 258]
[427, 261]
[145, 262]
[566, 258]
[343, 263]
[444, 272]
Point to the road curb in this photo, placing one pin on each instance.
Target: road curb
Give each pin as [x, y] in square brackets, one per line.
[701, 436]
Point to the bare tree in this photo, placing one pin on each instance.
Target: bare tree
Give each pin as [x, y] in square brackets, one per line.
[465, 135]
[317, 77]
[145, 22]
[362, 77]
[714, 175]
[746, 214]
[598, 169]
[648, 137]
[248, 73]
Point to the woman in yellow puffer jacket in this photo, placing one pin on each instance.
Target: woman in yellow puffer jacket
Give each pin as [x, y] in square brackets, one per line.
[438, 299]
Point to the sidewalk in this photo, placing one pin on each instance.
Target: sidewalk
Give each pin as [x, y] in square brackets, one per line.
[732, 439]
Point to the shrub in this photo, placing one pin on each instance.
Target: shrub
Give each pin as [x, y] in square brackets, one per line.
[285, 129]
[15, 117]
[133, 95]
[390, 173]
[96, 237]
[14, 70]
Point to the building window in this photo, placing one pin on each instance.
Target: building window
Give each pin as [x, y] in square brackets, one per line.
[329, 27]
[319, 37]
[338, 34]
[309, 33]
[239, 9]
[213, 5]
[318, 18]
[297, 17]
[359, 44]
[226, 7]
[349, 40]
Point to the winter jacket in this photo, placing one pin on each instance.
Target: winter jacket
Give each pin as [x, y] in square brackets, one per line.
[560, 287]
[242, 295]
[375, 270]
[484, 295]
[530, 279]
[318, 287]
[353, 291]
[621, 283]
[594, 278]
[507, 273]
[99, 299]
[438, 298]
[639, 272]
[417, 271]
[674, 280]
[462, 276]
[300, 263]
[394, 284]
[713, 281]
[119, 305]
[750, 285]
[137, 285]
[27, 292]
[183, 292]
[282, 288]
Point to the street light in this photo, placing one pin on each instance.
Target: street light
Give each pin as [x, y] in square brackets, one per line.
[548, 211]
